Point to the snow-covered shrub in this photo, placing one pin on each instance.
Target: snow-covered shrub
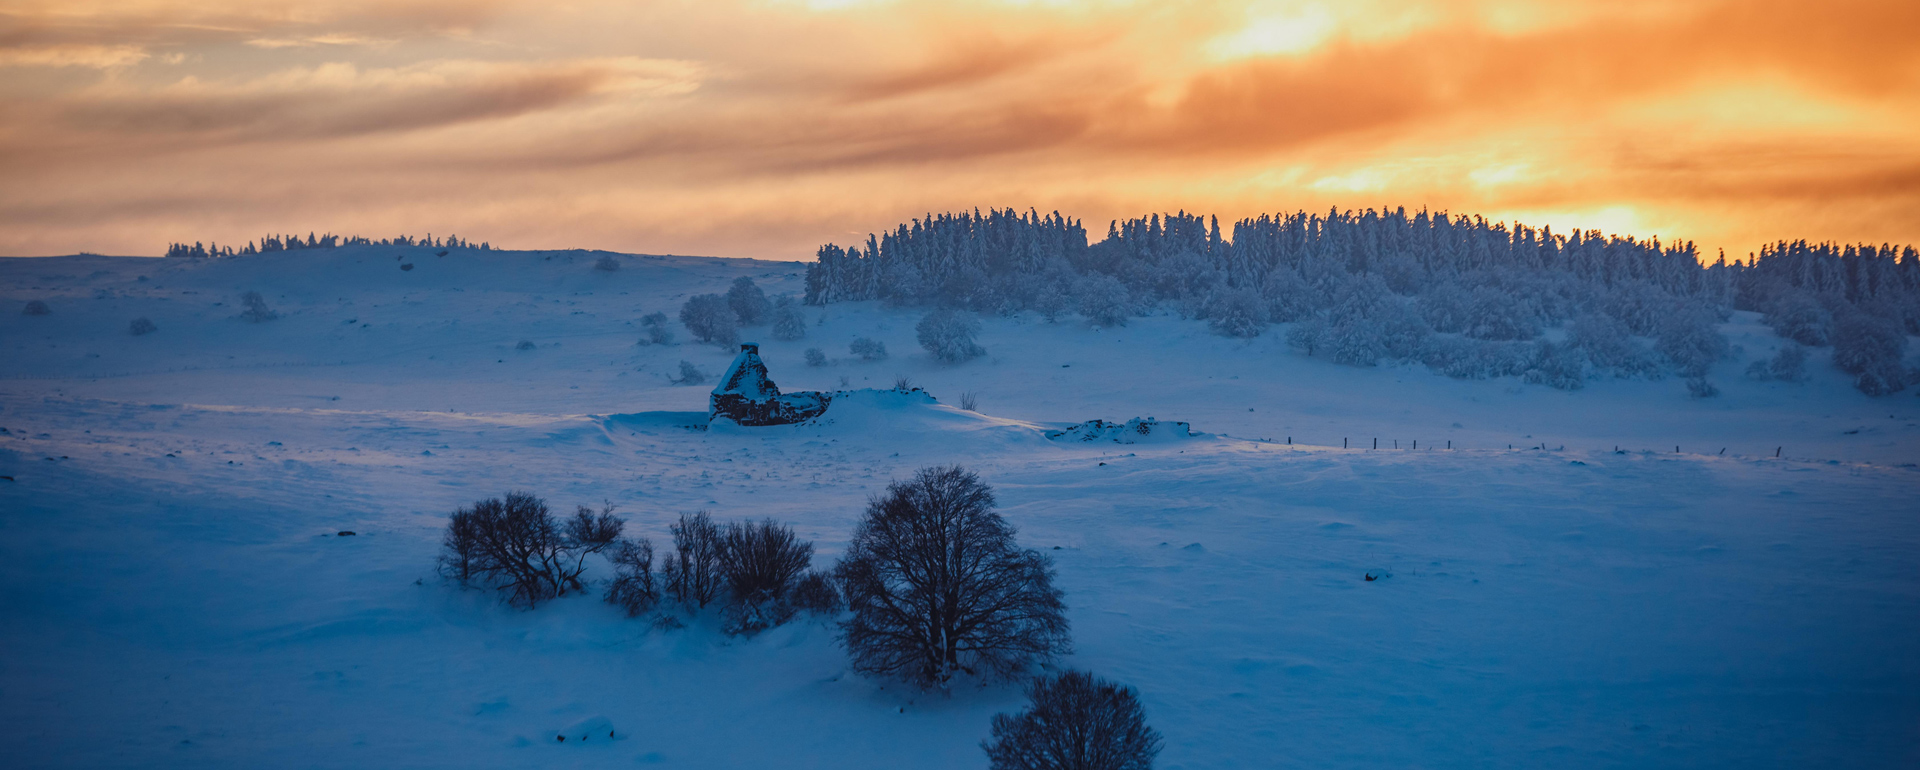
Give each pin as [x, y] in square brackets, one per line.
[141, 325]
[36, 307]
[257, 311]
[937, 586]
[815, 357]
[1495, 315]
[607, 262]
[1797, 316]
[690, 574]
[748, 302]
[1236, 313]
[710, 319]
[1690, 339]
[814, 592]
[689, 374]
[868, 349]
[1699, 387]
[525, 345]
[1871, 349]
[1445, 307]
[633, 587]
[1557, 366]
[788, 324]
[1610, 348]
[1104, 301]
[948, 334]
[1288, 296]
[516, 546]
[658, 332]
[1074, 720]
[1789, 364]
[760, 562]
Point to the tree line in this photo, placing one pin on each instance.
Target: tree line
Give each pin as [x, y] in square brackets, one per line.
[273, 243]
[1464, 295]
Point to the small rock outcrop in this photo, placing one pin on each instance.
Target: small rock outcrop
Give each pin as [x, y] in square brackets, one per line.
[747, 396]
[1135, 431]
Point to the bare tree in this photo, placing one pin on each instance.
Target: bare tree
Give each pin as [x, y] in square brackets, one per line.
[515, 546]
[937, 586]
[814, 592]
[691, 573]
[760, 562]
[633, 587]
[1075, 721]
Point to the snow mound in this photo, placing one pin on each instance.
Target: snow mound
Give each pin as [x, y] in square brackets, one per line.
[594, 729]
[1139, 430]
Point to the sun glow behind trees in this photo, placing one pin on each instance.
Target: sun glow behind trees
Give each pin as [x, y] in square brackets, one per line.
[695, 128]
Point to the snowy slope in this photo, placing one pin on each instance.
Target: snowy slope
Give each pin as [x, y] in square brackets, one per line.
[174, 595]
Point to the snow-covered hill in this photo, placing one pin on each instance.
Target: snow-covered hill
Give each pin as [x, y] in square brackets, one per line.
[174, 594]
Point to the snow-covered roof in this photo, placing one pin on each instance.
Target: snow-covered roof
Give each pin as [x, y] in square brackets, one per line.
[747, 376]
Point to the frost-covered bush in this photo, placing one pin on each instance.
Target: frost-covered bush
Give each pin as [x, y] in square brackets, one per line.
[1699, 387]
[868, 349]
[1797, 316]
[788, 323]
[1074, 720]
[1871, 349]
[36, 307]
[948, 334]
[257, 311]
[689, 374]
[709, 318]
[1105, 301]
[633, 587]
[1495, 315]
[1236, 313]
[815, 357]
[1610, 348]
[525, 345]
[658, 332]
[1557, 366]
[607, 262]
[760, 562]
[1789, 364]
[748, 302]
[141, 325]
[1288, 296]
[937, 586]
[690, 574]
[515, 546]
[1691, 340]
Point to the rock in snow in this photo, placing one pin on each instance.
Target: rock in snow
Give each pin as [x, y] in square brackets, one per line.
[1138, 430]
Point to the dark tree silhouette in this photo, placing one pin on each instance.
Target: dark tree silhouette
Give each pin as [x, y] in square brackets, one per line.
[1075, 721]
[633, 587]
[760, 562]
[691, 573]
[516, 546]
[937, 586]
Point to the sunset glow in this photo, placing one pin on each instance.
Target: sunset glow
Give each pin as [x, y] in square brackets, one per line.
[766, 128]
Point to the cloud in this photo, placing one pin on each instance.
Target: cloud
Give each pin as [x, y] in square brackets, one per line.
[340, 99]
[317, 40]
[89, 56]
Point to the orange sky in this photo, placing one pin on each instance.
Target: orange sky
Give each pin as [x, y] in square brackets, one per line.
[767, 127]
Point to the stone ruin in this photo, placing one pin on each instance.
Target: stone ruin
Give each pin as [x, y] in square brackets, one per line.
[747, 396]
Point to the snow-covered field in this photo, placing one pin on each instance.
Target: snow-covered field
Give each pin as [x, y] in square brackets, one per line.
[173, 593]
